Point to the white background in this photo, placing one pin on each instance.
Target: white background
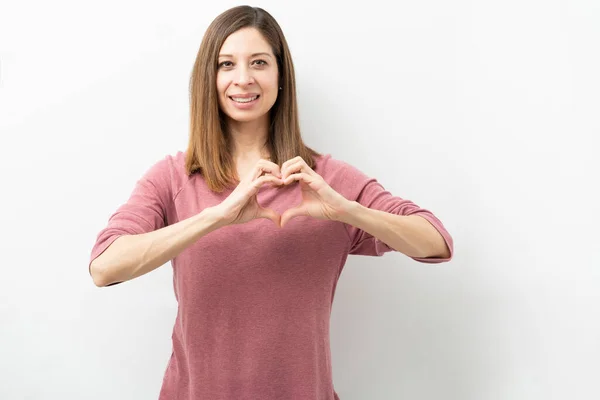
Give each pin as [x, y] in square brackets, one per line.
[485, 112]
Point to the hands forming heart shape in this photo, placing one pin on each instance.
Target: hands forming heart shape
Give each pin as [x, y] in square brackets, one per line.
[319, 200]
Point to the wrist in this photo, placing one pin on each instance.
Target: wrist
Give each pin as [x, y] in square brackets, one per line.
[215, 217]
[347, 211]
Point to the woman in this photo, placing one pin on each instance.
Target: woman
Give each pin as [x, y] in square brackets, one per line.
[257, 227]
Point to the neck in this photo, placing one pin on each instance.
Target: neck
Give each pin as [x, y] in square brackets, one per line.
[249, 139]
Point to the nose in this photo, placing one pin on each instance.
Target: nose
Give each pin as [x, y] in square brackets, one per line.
[244, 77]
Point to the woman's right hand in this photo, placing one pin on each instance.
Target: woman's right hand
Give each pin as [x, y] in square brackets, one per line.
[241, 205]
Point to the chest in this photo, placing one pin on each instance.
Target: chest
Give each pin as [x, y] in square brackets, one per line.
[258, 255]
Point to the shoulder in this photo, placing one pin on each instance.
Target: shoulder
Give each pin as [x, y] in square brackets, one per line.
[338, 171]
[341, 175]
[169, 173]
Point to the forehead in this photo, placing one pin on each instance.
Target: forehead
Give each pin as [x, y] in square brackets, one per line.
[245, 42]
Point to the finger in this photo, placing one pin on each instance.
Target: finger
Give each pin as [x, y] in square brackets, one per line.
[285, 167]
[298, 166]
[292, 213]
[290, 162]
[302, 176]
[269, 166]
[267, 213]
[266, 179]
[265, 166]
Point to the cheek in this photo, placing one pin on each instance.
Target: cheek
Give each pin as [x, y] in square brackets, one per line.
[271, 84]
[275, 84]
[222, 80]
[221, 90]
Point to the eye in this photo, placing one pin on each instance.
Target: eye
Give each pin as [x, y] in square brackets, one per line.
[261, 61]
[224, 62]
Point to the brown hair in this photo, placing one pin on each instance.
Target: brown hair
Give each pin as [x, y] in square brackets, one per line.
[208, 149]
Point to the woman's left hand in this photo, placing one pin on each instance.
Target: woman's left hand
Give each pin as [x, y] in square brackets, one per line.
[319, 200]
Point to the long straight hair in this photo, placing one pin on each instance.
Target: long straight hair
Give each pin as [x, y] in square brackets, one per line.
[209, 150]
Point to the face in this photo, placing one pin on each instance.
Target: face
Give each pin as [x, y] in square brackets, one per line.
[247, 76]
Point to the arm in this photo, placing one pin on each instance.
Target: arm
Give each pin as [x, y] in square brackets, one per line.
[408, 234]
[376, 221]
[131, 256]
[136, 240]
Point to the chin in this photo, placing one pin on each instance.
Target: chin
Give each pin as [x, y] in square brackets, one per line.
[248, 117]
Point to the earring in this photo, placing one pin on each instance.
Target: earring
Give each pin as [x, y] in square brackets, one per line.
[280, 88]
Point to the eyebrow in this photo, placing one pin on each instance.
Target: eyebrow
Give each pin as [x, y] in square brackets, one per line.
[253, 55]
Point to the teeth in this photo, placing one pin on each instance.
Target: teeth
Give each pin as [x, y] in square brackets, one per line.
[244, 100]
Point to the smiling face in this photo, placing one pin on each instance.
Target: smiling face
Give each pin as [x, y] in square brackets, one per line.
[247, 76]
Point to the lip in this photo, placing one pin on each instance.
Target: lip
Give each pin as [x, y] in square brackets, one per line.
[244, 106]
[244, 96]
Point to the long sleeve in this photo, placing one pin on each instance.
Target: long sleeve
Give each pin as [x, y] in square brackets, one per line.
[357, 186]
[144, 211]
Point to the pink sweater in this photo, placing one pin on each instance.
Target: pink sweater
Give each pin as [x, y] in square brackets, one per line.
[254, 300]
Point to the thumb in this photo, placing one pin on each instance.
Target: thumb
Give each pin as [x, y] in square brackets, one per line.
[267, 213]
[292, 213]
